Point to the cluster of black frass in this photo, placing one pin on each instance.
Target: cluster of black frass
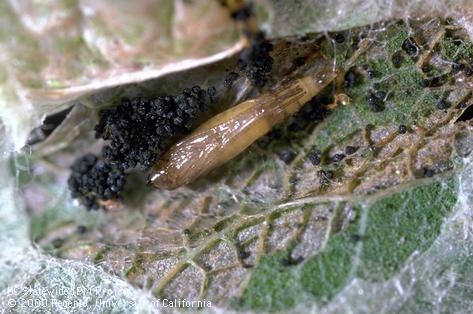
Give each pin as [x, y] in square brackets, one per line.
[137, 132]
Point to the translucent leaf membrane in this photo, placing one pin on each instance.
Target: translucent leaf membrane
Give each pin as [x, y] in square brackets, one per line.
[299, 17]
[53, 53]
[355, 205]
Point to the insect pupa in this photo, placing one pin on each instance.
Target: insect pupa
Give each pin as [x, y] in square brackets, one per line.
[226, 135]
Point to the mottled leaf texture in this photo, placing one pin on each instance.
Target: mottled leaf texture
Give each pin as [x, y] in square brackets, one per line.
[359, 223]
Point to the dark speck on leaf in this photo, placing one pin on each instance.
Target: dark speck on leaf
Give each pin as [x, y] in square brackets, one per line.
[284, 262]
[264, 141]
[325, 175]
[402, 129]
[314, 157]
[287, 155]
[381, 94]
[338, 157]
[410, 47]
[397, 59]
[457, 67]
[81, 229]
[299, 61]
[231, 77]
[462, 104]
[243, 254]
[211, 91]
[349, 150]
[356, 237]
[443, 104]
[427, 172]
[375, 103]
[351, 78]
[290, 261]
[449, 21]
[372, 74]
[298, 125]
[313, 111]
[426, 68]
[355, 41]
[293, 179]
[339, 38]
[434, 82]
